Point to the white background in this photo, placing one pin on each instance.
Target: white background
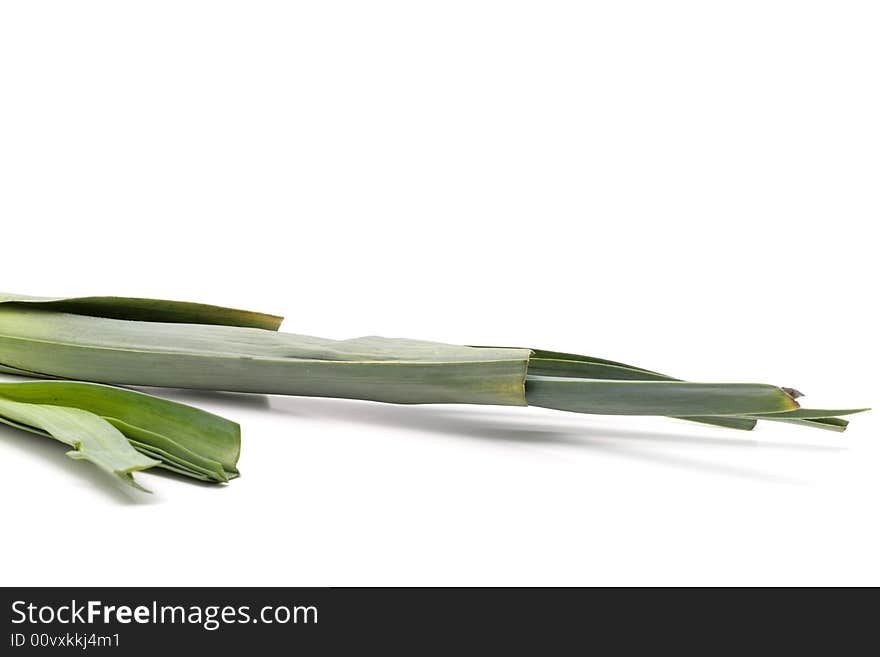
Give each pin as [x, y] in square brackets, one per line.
[687, 186]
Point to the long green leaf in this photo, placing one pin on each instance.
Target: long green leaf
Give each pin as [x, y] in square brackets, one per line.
[147, 310]
[546, 354]
[810, 413]
[158, 343]
[829, 423]
[237, 359]
[554, 363]
[656, 397]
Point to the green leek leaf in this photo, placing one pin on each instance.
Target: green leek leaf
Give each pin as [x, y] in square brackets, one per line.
[92, 438]
[176, 344]
[169, 434]
[656, 397]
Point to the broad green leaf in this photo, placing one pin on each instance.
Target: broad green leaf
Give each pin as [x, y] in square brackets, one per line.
[552, 363]
[92, 438]
[181, 435]
[239, 359]
[656, 397]
[556, 363]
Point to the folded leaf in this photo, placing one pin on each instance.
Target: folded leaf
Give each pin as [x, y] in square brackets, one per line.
[172, 435]
[656, 397]
[92, 438]
[554, 363]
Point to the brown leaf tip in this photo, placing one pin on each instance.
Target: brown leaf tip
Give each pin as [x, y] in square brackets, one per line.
[792, 392]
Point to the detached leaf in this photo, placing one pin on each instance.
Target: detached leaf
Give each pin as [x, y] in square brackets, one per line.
[158, 432]
[92, 438]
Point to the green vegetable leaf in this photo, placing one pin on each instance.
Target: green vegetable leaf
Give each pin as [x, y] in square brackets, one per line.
[175, 344]
[147, 310]
[92, 438]
[237, 359]
[656, 397]
[167, 434]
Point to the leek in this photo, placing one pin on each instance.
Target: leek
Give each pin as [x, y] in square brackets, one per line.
[176, 344]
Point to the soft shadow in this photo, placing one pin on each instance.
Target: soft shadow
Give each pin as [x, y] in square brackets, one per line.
[196, 397]
[734, 438]
[470, 424]
[52, 451]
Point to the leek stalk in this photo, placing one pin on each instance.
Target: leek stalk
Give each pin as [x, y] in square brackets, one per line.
[176, 344]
